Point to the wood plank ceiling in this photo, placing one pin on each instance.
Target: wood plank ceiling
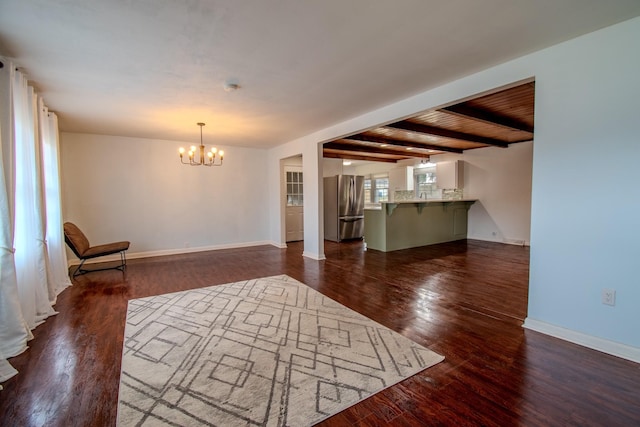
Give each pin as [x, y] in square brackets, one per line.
[494, 120]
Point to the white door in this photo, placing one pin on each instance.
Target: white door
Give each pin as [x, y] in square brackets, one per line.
[294, 222]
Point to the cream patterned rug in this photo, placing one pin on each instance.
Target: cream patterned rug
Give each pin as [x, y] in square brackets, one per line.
[264, 352]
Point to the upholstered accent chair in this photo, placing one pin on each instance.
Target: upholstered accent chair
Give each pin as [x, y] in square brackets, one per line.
[79, 244]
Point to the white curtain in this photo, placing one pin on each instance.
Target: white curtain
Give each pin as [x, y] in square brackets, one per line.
[13, 329]
[32, 258]
[58, 272]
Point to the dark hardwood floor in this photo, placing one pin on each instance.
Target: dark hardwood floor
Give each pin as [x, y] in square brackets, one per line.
[465, 300]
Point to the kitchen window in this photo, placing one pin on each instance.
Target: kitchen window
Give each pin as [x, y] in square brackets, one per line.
[376, 188]
[381, 190]
[425, 183]
[367, 190]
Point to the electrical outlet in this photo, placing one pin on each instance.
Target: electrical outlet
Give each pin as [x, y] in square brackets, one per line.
[609, 296]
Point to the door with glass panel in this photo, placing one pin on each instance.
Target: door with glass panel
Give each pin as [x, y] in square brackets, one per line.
[295, 205]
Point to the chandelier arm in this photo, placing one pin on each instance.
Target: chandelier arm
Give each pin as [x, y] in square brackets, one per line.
[196, 163]
[204, 160]
[203, 164]
[212, 164]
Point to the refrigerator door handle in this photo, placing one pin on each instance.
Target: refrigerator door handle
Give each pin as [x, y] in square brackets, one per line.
[351, 218]
[355, 194]
[352, 195]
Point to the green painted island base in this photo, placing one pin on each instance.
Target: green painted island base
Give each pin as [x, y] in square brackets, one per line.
[405, 225]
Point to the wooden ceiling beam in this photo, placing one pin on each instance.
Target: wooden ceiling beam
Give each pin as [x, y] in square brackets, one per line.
[330, 154]
[446, 133]
[402, 143]
[487, 117]
[362, 148]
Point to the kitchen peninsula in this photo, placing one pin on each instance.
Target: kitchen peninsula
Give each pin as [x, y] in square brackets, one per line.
[408, 224]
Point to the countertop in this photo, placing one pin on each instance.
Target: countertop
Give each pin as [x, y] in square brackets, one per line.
[378, 207]
[430, 201]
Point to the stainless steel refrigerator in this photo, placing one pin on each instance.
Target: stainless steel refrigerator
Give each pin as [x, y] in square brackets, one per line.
[343, 207]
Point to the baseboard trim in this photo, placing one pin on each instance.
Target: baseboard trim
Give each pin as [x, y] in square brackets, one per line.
[313, 256]
[149, 254]
[278, 245]
[600, 344]
[514, 242]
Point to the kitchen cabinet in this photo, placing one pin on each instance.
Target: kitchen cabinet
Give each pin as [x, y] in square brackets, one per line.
[401, 178]
[449, 175]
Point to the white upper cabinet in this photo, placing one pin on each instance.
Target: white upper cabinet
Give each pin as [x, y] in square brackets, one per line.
[449, 175]
[401, 178]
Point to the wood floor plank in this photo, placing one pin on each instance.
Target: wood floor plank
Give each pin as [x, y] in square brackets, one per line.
[465, 300]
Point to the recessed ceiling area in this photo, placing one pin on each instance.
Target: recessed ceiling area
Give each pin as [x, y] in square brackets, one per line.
[494, 120]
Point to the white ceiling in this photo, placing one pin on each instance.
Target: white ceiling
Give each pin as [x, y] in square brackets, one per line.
[153, 68]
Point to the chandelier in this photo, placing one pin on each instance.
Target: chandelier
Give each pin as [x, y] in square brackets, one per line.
[210, 155]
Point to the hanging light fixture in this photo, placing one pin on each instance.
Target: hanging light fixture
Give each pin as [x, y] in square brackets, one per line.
[206, 158]
[426, 163]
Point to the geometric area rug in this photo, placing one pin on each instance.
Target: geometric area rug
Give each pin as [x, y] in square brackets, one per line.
[264, 352]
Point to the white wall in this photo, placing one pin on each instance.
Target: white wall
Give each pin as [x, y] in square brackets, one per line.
[585, 205]
[312, 169]
[295, 161]
[500, 178]
[118, 188]
[374, 168]
[583, 237]
[332, 167]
